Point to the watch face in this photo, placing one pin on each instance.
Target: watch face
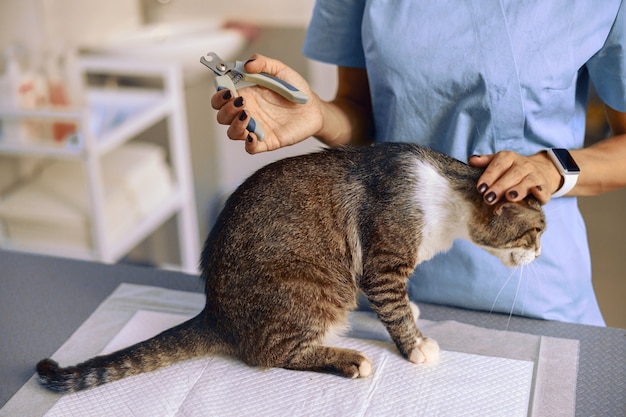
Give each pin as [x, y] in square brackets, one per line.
[566, 160]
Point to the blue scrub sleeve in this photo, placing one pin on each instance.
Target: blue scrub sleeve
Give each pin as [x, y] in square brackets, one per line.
[334, 34]
[607, 68]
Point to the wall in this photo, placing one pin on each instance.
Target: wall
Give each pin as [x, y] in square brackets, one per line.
[21, 21]
[285, 13]
[45, 24]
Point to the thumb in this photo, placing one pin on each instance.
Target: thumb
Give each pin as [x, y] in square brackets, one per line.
[279, 78]
[480, 161]
[259, 63]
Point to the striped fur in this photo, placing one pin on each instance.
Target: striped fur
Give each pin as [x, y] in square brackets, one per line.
[297, 241]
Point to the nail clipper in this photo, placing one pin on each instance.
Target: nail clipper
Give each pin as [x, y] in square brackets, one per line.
[230, 73]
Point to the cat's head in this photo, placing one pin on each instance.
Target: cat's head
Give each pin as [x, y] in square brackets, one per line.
[510, 231]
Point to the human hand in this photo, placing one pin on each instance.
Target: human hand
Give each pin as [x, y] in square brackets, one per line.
[285, 123]
[513, 177]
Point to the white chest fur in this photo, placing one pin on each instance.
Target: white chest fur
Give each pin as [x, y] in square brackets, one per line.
[445, 212]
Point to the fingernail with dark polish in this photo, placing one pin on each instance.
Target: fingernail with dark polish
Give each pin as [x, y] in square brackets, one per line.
[243, 115]
[250, 60]
[249, 139]
[238, 101]
[513, 194]
[227, 95]
[482, 188]
[489, 198]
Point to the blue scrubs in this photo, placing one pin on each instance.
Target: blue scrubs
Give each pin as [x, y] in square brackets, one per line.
[468, 77]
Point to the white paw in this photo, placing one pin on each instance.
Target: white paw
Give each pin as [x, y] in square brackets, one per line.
[365, 368]
[426, 351]
[416, 311]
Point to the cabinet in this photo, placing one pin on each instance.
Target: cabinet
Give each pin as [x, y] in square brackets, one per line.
[159, 98]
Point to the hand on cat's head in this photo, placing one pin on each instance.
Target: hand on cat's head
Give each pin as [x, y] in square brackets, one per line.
[510, 176]
[510, 230]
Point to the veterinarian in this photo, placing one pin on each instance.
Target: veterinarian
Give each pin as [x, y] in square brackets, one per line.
[492, 83]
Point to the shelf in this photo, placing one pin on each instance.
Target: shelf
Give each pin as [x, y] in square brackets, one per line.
[116, 248]
[45, 113]
[140, 109]
[110, 118]
[51, 151]
[166, 209]
[154, 109]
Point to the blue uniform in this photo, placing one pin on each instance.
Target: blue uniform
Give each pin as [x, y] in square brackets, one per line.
[467, 77]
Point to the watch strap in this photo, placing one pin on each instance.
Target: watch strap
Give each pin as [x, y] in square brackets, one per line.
[569, 178]
[569, 181]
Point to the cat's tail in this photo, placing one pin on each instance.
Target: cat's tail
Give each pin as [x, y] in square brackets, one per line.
[188, 340]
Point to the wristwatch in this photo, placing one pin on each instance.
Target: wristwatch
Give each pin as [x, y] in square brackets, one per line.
[567, 167]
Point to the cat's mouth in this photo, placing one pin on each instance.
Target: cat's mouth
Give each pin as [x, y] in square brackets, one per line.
[519, 258]
[515, 257]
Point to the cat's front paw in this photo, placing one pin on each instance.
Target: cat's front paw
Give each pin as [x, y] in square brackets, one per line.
[365, 368]
[426, 351]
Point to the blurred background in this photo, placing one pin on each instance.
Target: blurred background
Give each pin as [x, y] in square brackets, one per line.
[109, 149]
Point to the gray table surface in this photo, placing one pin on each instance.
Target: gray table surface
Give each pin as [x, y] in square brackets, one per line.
[43, 300]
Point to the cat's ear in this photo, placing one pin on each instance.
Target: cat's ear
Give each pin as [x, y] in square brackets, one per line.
[503, 208]
[507, 206]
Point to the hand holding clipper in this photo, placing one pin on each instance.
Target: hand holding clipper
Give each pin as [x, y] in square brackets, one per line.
[230, 73]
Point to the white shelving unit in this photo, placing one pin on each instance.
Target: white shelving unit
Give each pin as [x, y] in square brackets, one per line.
[154, 105]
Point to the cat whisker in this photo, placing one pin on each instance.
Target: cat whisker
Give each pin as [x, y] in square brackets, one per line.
[537, 278]
[527, 283]
[500, 292]
[519, 282]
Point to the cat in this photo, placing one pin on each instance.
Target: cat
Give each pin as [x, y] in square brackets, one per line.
[297, 241]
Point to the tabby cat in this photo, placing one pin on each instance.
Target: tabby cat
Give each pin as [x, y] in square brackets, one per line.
[295, 243]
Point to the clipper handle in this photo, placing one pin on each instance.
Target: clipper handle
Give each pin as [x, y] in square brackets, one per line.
[278, 86]
[223, 82]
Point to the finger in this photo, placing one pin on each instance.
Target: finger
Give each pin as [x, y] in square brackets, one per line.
[519, 191]
[529, 181]
[509, 176]
[542, 194]
[220, 98]
[515, 195]
[228, 114]
[514, 184]
[529, 187]
[238, 127]
[260, 63]
[253, 145]
[229, 108]
[480, 161]
[225, 116]
[496, 165]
